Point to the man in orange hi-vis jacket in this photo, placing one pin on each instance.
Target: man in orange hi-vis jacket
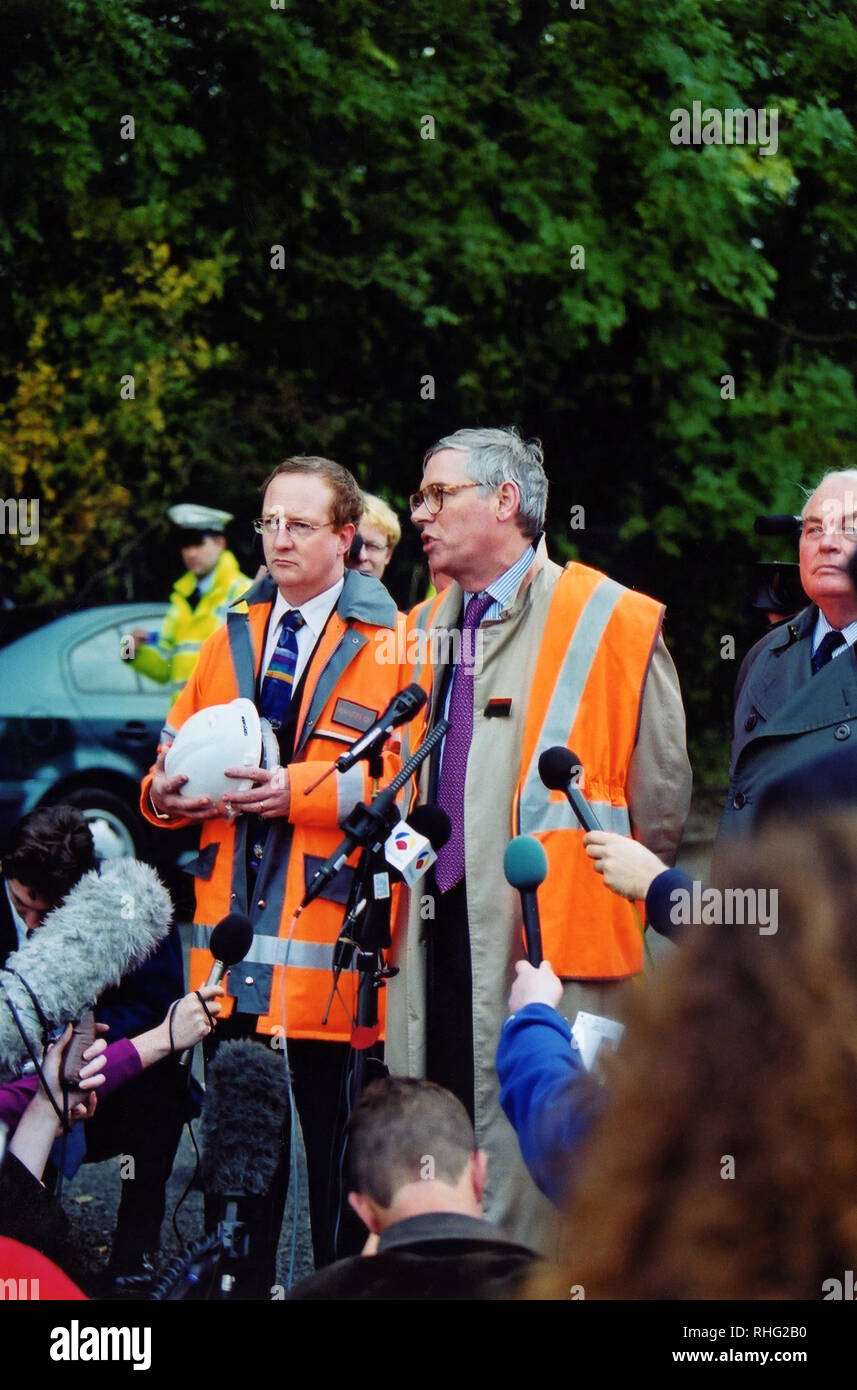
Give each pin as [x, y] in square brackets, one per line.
[547, 656]
[304, 639]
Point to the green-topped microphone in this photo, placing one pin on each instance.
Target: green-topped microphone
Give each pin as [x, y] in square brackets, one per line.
[525, 865]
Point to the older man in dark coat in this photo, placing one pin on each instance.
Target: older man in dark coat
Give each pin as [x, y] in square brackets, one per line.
[796, 696]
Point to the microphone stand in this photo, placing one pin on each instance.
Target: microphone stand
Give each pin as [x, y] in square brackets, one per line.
[363, 938]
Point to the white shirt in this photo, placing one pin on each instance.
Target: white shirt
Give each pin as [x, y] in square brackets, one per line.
[315, 613]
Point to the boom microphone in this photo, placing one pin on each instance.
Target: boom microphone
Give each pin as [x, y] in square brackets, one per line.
[401, 709]
[525, 865]
[230, 941]
[109, 923]
[560, 771]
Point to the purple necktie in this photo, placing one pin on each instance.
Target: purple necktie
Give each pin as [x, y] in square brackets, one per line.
[449, 868]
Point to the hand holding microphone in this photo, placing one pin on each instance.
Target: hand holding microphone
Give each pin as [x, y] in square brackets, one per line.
[533, 986]
[230, 941]
[628, 868]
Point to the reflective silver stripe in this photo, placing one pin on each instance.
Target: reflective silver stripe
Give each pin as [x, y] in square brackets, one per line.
[558, 815]
[421, 626]
[565, 701]
[349, 790]
[272, 950]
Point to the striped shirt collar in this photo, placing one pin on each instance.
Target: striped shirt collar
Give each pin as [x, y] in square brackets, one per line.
[504, 588]
[823, 626]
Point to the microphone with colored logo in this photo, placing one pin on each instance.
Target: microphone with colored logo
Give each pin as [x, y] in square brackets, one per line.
[412, 846]
[525, 865]
[560, 771]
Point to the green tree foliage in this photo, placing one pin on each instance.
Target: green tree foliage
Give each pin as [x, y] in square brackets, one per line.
[304, 126]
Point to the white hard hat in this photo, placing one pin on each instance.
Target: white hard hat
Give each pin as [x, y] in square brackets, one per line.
[218, 737]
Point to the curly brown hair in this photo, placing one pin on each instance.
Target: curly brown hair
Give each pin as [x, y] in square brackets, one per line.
[726, 1163]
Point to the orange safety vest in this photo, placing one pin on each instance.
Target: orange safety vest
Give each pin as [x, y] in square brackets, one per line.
[286, 979]
[585, 693]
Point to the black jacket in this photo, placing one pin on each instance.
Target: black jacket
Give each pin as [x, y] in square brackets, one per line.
[440, 1255]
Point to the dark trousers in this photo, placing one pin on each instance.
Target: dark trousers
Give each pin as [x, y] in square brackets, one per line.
[318, 1072]
[449, 996]
[142, 1122]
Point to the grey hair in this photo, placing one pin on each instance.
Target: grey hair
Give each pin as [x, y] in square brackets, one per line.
[825, 478]
[502, 456]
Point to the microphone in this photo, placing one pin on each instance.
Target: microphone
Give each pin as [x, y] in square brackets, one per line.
[778, 524]
[560, 771]
[412, 846]
[230, 941]
[368, 825]
[246, 1107]
[246, 1102]
[525, 865]
[401, 709]
[108, 924]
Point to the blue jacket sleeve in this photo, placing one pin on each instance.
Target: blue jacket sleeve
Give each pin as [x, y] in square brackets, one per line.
[141, 998]
[659, 902]
[546, 1093]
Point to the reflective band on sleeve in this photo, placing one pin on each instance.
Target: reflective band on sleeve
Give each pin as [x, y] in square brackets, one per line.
[349, 790]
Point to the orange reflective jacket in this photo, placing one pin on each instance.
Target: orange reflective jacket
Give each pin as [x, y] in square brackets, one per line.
[584, 692]
[286, 979]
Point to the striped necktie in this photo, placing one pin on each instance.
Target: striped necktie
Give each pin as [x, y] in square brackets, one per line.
[276, 693]
[449, 868]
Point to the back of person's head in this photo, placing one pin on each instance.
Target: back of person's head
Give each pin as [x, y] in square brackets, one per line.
[726, 1164]
[49, 850]
[403, 1130]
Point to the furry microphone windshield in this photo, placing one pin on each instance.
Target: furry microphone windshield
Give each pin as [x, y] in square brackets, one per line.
[109, 923]
[245, 1107]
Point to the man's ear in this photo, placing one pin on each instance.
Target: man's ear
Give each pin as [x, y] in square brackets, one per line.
[346, 535]
[508, 500]
[479, 1173]
[365, 1209]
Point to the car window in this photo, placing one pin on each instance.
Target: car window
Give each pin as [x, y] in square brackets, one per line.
[97, 667]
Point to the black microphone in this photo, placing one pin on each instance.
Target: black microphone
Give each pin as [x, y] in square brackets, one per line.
[108, 924]
[560, 771]
[230, 941]
[525, 865]
[433, 823]
[370, 825]
[246, 1107]
[777, 524]
[400, 710]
